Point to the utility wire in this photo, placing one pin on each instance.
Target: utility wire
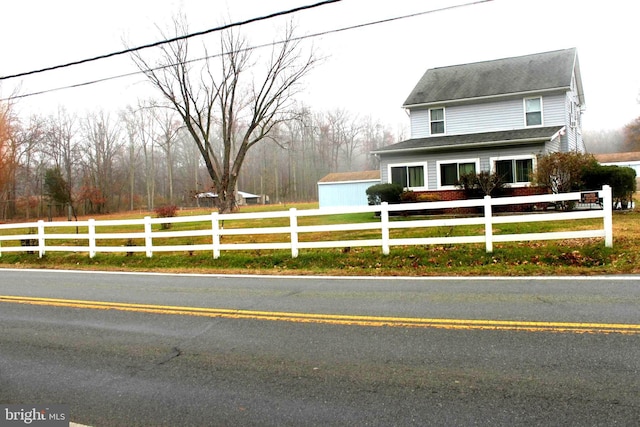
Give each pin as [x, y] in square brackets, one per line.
[319, 34]
[161, 42]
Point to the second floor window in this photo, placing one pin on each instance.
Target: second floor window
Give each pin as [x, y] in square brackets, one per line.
[436, 120]
[533, 111]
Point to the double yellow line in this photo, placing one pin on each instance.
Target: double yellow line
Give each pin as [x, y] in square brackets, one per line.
[336, 319]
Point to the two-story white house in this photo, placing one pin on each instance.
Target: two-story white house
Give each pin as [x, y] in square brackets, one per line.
[497, 115]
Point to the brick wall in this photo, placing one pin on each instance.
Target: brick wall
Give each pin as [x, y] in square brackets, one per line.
[449, 195]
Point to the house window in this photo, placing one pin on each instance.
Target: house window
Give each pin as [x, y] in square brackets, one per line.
[533, 111]
[450, 172]
[436, 120]
[514, 171]
[408, 176]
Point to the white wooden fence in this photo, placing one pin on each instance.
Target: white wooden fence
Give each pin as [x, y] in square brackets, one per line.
[143, 229]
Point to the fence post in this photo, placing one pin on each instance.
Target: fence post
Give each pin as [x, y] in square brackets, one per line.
[488, 224]
[148, 240]
[384, 226]
[41, 239]
[293, 223]
[215, 234]
[92, 238]
[607, 207]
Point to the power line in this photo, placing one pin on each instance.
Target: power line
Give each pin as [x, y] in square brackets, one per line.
[319, 34]
[161, 42]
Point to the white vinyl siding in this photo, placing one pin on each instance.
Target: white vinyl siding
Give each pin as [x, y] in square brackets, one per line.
[489, 116]
[553, 108]
[574, 123]
[419, 123]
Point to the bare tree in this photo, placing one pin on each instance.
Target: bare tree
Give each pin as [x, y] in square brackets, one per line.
[8, 160]
[62, 147]
[604, 140]
[632, 135]
[187, 176]
[139, 125]
[131, 125]
[375, 135]
[168, 128]
[28, 141]
[101, 148]
[229, 111]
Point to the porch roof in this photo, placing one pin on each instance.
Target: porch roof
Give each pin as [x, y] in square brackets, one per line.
[475, 140]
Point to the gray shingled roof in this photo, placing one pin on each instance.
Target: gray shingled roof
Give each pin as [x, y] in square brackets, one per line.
[475, 140]
[537, 72]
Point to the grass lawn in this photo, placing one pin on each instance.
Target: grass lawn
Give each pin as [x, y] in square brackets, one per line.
[566, 257]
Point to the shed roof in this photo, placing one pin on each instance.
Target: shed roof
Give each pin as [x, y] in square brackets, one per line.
[529, 73]
[351, 176]
[632, 156]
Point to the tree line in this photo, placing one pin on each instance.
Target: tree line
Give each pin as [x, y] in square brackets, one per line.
[142, 158]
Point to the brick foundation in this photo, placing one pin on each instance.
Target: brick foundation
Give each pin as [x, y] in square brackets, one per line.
[450, 195]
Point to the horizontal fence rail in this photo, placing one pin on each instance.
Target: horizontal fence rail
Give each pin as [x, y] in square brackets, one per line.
[93, 236]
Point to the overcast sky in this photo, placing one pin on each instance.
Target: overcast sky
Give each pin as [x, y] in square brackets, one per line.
[368, 71]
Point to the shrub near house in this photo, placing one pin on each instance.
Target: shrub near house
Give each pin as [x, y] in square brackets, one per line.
[379, 193]
[621, 179]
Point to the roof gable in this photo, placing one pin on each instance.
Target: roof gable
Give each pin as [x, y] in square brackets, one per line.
[529, 73]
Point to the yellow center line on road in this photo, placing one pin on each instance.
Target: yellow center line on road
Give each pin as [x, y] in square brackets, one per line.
[336, 319]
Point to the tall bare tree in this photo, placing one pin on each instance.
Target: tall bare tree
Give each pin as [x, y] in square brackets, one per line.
[168, 128]
[62, 147]
[129, 118]
[8, 162]
[102, 145]
[26, 145]
[230, 109]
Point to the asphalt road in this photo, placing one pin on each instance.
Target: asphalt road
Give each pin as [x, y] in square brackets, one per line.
[118, 367]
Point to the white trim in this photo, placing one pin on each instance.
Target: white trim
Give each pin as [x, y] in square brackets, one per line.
[444, 121]
[410, 164]
[469, 144]
[532, 157]
[349, 182]
[478, 98]
[524, 108]
[561, 132]
[629, 164]
[475, 160]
